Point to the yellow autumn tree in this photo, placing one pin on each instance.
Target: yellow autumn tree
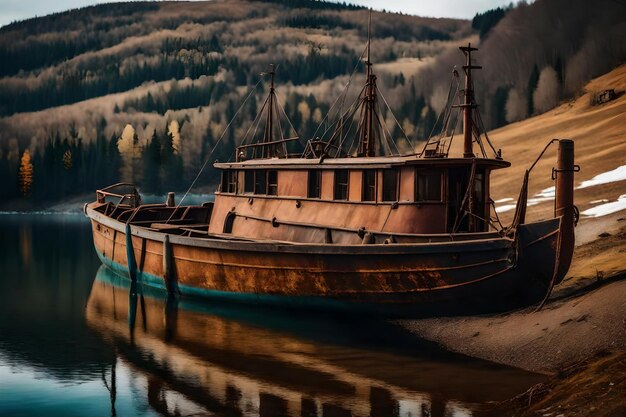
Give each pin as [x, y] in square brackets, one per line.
[128, 148]
[174, 130]
[26, 173]
[67, 160]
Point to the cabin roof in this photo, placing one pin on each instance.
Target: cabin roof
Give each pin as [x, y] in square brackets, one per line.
[358, 163]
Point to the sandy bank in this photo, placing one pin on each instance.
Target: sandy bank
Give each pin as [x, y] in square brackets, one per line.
[587, 311]
[579, 337]
[585, 314]
[594, 387]
[564, 332]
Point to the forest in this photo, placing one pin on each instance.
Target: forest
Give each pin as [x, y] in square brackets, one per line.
[143, 91]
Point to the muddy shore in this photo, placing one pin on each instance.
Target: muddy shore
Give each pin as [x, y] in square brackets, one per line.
[578, 337]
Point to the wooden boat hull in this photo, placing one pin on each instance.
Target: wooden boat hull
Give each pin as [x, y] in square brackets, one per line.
[204, 351]
[421, 279]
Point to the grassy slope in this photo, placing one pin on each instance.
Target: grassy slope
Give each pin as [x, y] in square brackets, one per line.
[585, 314]
[599, 133]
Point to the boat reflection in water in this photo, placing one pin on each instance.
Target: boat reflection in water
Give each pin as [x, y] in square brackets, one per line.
[195, 358]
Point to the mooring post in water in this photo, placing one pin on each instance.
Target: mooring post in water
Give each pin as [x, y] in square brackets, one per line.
[132, 308]
[564, 203]
[130, 255]
[170, 202]
[168, 267]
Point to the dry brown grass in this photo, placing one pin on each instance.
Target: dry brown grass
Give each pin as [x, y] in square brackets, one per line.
[599, 133]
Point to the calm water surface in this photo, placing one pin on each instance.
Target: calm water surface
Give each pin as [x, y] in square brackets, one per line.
[77, 340]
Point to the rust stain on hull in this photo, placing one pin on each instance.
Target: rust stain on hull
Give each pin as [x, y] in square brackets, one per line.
[422, 277]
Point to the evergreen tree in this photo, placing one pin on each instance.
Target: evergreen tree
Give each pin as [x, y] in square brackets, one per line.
[152, 165]
[498, 108]
[532, 85]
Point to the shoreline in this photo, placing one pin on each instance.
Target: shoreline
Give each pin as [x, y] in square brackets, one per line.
[569, 329]
[585, 314]
[578, 338]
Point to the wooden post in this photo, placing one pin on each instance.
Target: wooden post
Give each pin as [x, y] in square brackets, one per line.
[564, 202]
[130, 255]
[168, 267]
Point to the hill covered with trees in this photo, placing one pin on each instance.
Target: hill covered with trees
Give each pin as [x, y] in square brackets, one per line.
[142, 91]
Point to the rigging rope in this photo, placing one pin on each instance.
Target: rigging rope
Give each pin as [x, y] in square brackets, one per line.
[343, 94]
[455, 75]
[395, 119]
[213, 150]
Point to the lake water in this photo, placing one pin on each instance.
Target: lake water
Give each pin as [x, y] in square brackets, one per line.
[77, 340]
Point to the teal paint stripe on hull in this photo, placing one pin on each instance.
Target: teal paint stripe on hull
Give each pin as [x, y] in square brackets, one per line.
[302, 302]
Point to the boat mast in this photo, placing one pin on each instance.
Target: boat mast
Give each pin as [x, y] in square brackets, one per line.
[469, 104]
[368, 141]
[267, 137]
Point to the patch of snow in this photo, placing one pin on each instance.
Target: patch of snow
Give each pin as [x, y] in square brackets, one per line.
[603, 200]
[549, 192]
[618, 174]
[505, 208]
[607, 208]
[503, 200]
[540, 197]
[535, 201]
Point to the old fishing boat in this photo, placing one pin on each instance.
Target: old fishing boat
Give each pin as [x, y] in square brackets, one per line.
[200, 358]
[351, 223]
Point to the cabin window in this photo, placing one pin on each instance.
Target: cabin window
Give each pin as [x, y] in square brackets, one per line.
[369, 185]
[342, 179]
[479, 202]
[315, 181]
[479, 187]
[260, 181]
[427, 185]
[229, 182]
[390, 185]
[272, 183]
[224, 184]
[248, 179]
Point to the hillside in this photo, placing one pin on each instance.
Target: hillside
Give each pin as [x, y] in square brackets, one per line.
[72, 83]
[599, 134]
[143, 91]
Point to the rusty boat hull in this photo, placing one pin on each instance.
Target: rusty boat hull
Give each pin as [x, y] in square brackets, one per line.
[202, 352]
[474, 276]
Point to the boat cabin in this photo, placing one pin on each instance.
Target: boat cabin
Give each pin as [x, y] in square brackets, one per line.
[353, 187]
[400, 195]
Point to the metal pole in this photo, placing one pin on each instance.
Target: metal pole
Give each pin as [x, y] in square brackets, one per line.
[468, 102]
[564, 203]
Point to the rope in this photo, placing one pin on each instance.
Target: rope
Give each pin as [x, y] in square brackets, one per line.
[554, 274]
[445, 108]
[493, 205]
[351, 110]
[343, 94]
[394, 118]
[255, 122]
[281, 108]
[466, 197]
[541, 154]
[213, 150]
[384, 127]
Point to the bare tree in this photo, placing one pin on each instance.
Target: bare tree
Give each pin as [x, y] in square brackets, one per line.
[546, 96]
[516, 106]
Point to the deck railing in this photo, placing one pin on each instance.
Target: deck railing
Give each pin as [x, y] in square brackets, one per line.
[121, 193]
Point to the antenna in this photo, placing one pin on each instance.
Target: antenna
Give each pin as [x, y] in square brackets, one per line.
[369, 38]
[267, 150]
